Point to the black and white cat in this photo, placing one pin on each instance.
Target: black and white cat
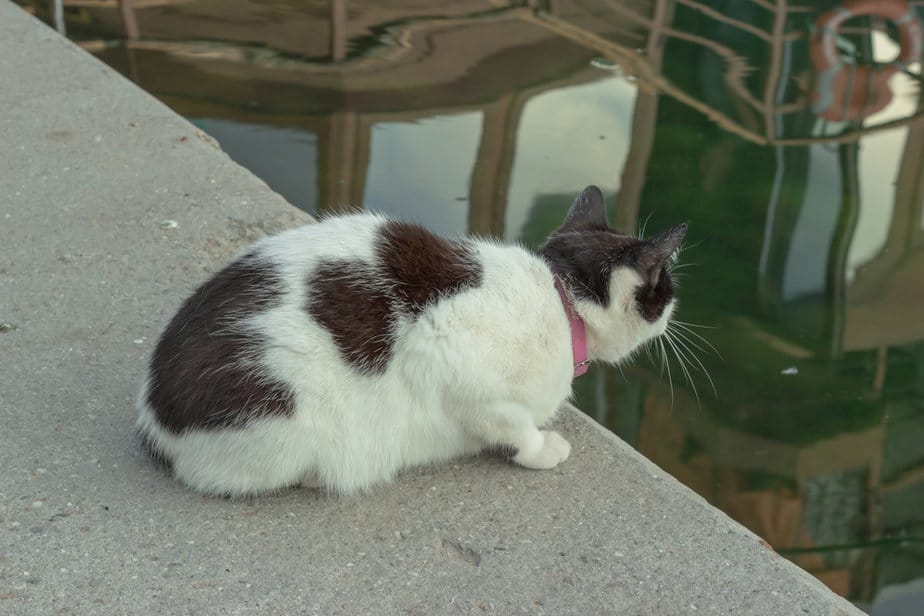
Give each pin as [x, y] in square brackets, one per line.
[338, 353]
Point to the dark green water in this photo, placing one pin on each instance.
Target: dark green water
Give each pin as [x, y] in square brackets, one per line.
[806, 242]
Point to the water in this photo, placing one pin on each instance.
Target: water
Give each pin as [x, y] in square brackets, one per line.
[806, 245]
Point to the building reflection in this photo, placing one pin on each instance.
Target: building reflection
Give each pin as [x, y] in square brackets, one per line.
[822, 465]
[493, 113]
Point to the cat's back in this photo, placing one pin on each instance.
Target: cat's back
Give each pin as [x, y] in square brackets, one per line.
[369, 282]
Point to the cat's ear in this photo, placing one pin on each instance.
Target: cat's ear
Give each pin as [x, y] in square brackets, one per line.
[655, 252]
[588, 209]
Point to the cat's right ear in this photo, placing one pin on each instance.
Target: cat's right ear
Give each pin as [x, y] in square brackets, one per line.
[589, 209]
[656, 251]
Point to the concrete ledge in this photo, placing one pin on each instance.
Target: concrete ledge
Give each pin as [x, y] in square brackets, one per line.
[112, 209]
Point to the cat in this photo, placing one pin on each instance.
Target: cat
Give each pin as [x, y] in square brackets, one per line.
[335, 354]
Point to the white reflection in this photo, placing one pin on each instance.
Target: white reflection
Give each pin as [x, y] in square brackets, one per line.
[904, 88]
[420, 171]
[880, 157]
[569, 138]
[811, 236]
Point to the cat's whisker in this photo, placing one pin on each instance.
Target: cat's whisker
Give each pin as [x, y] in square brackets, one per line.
[682, 360]
[647, 348]
[641, 231]
[679, 322]
[685, 327]
[686, 343]
[702, 367]
[686, 246]
[661, 356]
[622, 373]
[682, 352]
[682, 334]
[667, 364]
[652, 347]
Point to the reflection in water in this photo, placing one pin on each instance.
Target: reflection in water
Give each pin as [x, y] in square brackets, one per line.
[435, 156]
[567, 138]
[807, 228]
[292, 168]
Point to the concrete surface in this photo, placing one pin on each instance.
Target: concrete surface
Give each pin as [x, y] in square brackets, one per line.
[91, 267]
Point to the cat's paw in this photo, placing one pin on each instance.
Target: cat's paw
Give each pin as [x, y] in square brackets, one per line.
[554, 451]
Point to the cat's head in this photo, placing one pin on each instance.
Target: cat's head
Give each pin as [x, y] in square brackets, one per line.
[621, 285]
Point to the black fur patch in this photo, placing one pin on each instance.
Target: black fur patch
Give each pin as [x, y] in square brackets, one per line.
[586, 256]
[652, 299]
[361, 305]
[347, 300]
[422, 266]
[206, 371]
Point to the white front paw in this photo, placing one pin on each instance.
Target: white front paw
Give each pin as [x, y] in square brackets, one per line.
[554, 450]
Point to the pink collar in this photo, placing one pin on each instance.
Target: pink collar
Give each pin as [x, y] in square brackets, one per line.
[578, 334]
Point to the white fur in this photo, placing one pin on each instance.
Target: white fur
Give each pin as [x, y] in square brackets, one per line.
[487, 366]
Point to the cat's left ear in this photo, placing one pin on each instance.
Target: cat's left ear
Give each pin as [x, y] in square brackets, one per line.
[656, 251]
[588, 209]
